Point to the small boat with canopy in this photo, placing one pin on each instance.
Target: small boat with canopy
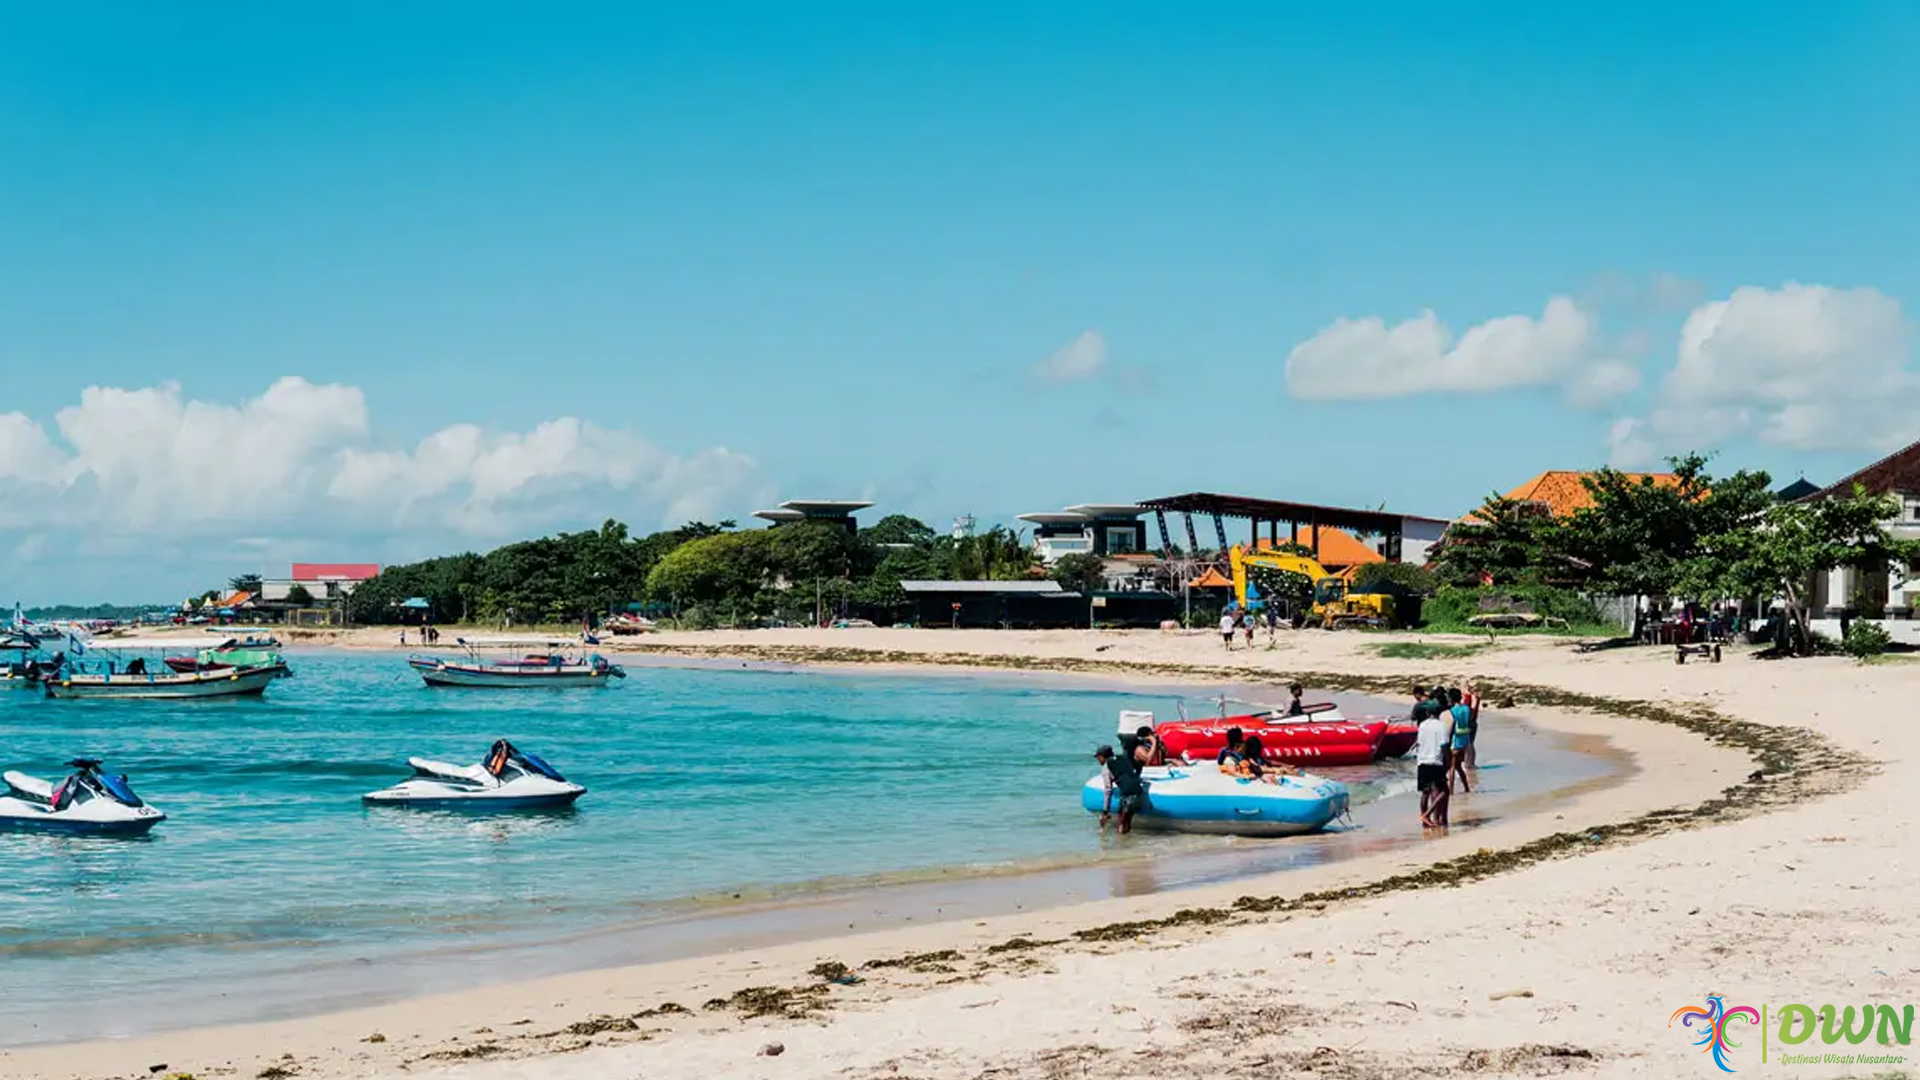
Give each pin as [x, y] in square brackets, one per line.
[530, 661]
[121, 668]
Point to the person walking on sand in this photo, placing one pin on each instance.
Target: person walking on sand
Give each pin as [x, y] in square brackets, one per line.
[1123, 777]
[1460, 717]
[1246, 624]
[1226, 629]
[1430, 755]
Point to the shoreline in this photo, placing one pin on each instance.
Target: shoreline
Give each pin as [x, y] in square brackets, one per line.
[1685, 781]
[1536, 769]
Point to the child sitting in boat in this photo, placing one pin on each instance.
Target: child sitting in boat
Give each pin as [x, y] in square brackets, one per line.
[1232, 757]
[1254, 762]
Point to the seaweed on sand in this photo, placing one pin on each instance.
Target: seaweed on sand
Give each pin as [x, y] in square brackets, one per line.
[789, 1002]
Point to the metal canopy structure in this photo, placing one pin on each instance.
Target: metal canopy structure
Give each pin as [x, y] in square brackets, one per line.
[1273, 513]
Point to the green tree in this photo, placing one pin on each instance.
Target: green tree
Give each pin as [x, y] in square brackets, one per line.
[999, 554]
[1780, 553]
[726, 567]
[1080, 572]
[1638, 537]
[249, 583]
[807, 551]
[1503, 542]
[298, 596]
[899, 529]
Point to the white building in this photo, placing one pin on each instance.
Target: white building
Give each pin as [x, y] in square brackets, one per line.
[1104, 529]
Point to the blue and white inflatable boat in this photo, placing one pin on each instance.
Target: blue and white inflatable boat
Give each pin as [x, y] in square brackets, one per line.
[1202, 799]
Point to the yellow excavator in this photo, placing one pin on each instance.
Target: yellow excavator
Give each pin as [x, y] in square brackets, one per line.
[1335, 603]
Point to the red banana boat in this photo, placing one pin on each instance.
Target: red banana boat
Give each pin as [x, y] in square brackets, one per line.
[1400, 737]
[1295, 742]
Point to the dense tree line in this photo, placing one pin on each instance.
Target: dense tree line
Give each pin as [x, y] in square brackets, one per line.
[701, 572]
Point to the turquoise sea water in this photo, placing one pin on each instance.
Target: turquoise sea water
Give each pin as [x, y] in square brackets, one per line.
[704, 784]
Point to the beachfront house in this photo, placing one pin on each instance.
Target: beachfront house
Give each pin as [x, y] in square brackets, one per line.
[1103, 529]
[325, 583]
[1890, 593]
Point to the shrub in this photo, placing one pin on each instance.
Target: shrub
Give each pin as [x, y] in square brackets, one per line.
[1451, 607]
[1415, 579]
[1865, 640]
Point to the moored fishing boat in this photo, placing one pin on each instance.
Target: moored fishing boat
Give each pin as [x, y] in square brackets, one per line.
[235, 653]
[552, 668]
[19, 659]
[110, 672]
[1202, 799]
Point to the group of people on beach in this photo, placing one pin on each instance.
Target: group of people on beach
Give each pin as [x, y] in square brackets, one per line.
[1449, 719]
[1244, 622]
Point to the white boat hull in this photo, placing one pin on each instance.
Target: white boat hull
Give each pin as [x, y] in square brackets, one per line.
[97, 818]
[166, 684]
[524, 783]
[525, 793]
[442, 674]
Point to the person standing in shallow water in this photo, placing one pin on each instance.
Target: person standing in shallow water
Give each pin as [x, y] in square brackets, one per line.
[1430, 754]
[1122, 779]
[1460, 717]
[1471, 698]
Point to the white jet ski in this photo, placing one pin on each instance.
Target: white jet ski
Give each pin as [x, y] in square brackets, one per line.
[509, 779]
[89, 801]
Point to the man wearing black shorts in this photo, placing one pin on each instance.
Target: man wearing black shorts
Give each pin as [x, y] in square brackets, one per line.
[1123, 778]
[1436, 732]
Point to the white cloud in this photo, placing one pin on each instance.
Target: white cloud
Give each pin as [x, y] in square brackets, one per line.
[1808, 367]
[1366, 358]
[1085, 357]
[1602, 381]
[300, 466]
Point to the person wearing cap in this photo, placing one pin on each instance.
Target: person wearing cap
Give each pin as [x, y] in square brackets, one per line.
[1122, 776]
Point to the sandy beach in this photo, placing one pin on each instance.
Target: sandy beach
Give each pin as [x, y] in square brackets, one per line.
[1759, 850]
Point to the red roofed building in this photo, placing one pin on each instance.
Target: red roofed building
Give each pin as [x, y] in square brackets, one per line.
[321, 581]
[328, 571]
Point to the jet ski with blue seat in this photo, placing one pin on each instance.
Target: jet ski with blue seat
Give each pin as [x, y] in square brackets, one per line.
[509, 779]
[89, 801]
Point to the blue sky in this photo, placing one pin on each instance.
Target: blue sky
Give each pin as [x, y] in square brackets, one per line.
[764, 251]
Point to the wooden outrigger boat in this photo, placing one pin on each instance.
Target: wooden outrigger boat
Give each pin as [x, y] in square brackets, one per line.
[136, 678]
[550, 668]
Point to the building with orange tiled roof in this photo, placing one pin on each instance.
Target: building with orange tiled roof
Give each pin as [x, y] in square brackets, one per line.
[1561, 492]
